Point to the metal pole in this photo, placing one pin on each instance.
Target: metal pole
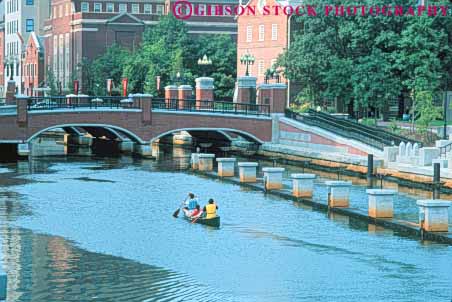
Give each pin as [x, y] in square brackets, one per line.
[436, 180]
[445, 115]
[370, 169]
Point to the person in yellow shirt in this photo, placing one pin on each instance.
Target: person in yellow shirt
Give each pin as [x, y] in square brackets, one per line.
[211, 209]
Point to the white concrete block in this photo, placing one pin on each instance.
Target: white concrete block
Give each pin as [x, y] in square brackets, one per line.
[226, 166]
[273, 178]
[302, 184]
[247, 171]
[427, 155]
[381, 203]
[339, 193]
[435, 214]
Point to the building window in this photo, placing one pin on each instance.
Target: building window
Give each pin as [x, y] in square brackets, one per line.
[55, 55]
[67, 59]
[260, 68]
[147, 9]
[29, 2]
[122, 8]
[85, 7]
[261, 32]
[97, 7]
[160, 9]
[61, 59]
[30, 25]
[61, 11]
[274, 32]
[135, 8]
[249, 33]
[110, 8]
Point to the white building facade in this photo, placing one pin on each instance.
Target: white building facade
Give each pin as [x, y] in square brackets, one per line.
[22, 17]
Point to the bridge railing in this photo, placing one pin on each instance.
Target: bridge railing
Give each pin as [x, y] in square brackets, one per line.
[381, 134]
[7, 109]
[210, 106]
[73, 102]
[338, 128]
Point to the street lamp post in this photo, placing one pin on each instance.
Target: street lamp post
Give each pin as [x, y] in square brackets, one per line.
[9, 63]
[247, 59]
[177, 79]
[445, 111]
[204, 63]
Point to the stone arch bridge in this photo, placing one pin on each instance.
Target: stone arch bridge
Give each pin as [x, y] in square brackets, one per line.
[138, 120]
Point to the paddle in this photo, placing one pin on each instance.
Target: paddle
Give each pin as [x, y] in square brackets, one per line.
[176, 213]
[194, 220]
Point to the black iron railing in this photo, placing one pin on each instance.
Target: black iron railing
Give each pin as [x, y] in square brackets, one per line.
[445, 149]
[385, 136]
[74, 102]
[119, 102]
[347, 129]
[210, 106]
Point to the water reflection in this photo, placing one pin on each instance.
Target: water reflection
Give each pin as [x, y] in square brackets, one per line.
[11, 208]
[113, 239]
[339, 218]
[379, 230]
[51, 268]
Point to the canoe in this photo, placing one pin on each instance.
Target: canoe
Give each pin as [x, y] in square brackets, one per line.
[213, 222]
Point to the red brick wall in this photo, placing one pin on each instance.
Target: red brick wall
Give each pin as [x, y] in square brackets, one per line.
[58, 26]
[161, 123]
[32, 76]
[266, 50]
[204, 94]
[317, 139]
[171, 93]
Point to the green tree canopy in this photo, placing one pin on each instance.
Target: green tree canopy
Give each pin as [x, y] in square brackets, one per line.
[167, 49]
[369, 60]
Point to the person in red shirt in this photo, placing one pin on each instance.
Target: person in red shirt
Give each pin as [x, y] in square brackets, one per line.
[196, 212]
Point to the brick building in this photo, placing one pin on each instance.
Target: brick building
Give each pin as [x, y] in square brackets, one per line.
[33, 65]
[264, 37]
[22, 17]
[80, 29]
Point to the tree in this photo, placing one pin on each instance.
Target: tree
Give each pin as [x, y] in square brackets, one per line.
[222, 50]
[369, 61]
[427, 111]
[51, 82]
[110, 65]
[167, 49]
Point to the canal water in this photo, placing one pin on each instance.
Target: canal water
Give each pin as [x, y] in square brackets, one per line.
[101, 229]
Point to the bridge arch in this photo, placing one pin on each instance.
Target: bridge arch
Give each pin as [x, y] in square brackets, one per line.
[107, 127]
[219, 130]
